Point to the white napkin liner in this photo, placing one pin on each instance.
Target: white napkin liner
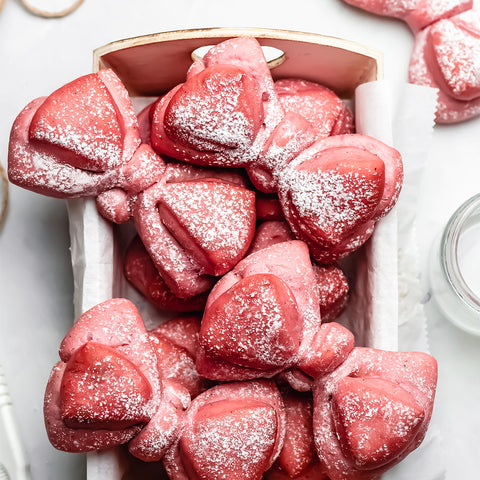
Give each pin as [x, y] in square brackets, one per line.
[412, 120]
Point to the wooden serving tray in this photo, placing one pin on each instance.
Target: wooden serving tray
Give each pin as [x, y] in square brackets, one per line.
[152, 64]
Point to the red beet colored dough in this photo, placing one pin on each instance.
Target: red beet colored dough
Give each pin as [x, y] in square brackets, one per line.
[268, 207]
[269, 233]
[298, 459]
[76, 141]
[107, 346]
[313, 472]
[318, 104]
[227, 113]
[182, 331]
[209, 93]
[357, 182]
[157, 436]
[334, 191]
[118, 324]
[333, 287]
[293, 294]
[213, 220]
[76, 439]
[233, 89]
[263, 317]
[98, 375]
[372, 411]
[445, 53]
[290, 136]
[109, 390]
[266, 343]
[194, 223]
[141, 272]
[445, 56]
[193, 229]
[175, 343]
[298, 450]
[417, 13]
[175, 362]
[232, 430]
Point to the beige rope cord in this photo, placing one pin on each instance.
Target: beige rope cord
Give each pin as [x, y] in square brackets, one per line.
[51, 8]
[3, 195]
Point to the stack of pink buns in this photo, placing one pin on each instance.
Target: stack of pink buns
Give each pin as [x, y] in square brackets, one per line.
[180, 169]
[244, 194]
[163, 392]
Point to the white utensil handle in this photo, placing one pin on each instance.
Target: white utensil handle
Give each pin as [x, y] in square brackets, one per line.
[12, 455]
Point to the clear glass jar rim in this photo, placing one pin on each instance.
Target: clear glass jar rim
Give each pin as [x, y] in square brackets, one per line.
[449, 251]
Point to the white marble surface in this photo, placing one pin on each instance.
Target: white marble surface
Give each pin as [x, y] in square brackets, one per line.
[38, 55]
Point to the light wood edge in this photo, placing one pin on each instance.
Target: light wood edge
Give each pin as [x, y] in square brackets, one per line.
[218, 32]
[2, 4]
[4, 199]
[47, 14]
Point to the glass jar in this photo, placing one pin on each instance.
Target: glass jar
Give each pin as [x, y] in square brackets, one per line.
[455, 267]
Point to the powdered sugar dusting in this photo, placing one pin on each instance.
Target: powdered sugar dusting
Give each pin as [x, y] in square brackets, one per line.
[298, 449]
[434, 10]
[259, 106]
[179, 271]
[234, 445]
[319, 105]
[91, 145]
[251, 327]
[290, 262]
[331, 282]
[158, 435]
[329, 200]
[359, 410]
[41, 171]
[219, 216]
[76, 440]
[117, 324]
[292, 135]
[457, 53]
[214, 117]
[333, 290]
[413, 372]
[37, 167]
[449, 110]
[175, 363]
[392, 8]
[102, 393]
[82, 118]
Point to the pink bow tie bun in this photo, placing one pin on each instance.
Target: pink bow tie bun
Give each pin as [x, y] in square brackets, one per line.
[263, 318]
[372, 411]
[233, 430]
[417, 14]
[445, 53]
[76, 141]
[106, 352]
[335, 190]
[445, 56]
[195, 226]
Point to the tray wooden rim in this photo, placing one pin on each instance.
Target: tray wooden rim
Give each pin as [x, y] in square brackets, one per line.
[204, 36]
[216, 32]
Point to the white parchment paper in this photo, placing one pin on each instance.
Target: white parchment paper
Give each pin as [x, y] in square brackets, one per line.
[411, 110]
